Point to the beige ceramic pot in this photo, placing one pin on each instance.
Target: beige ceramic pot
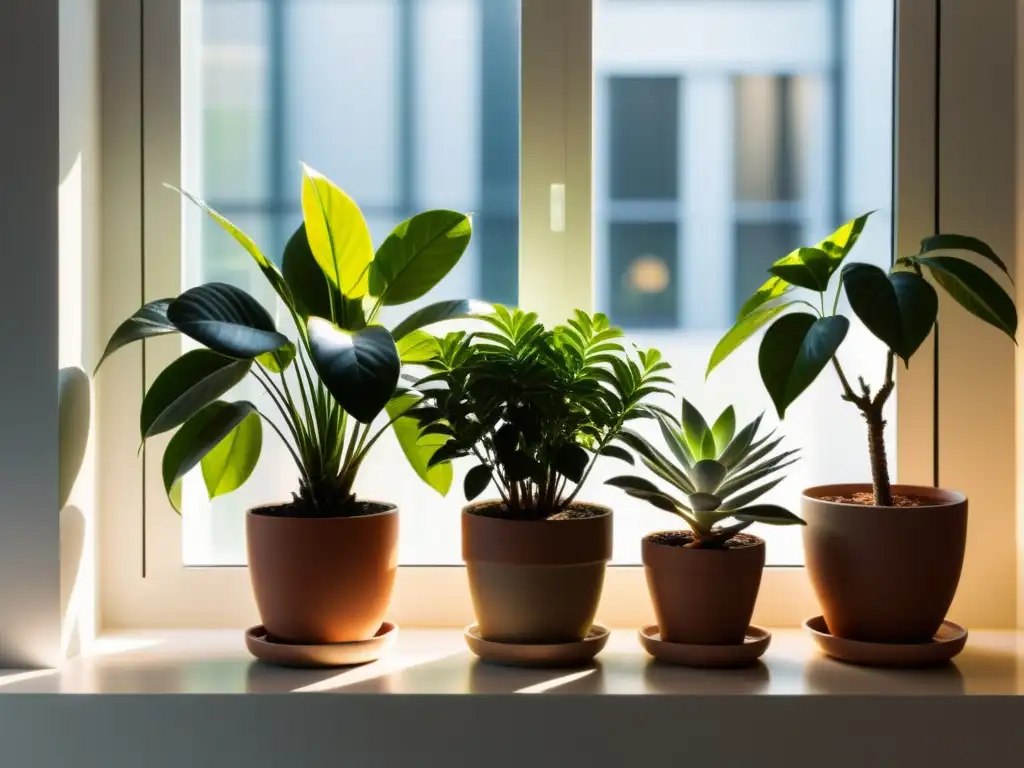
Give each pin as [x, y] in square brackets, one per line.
[703, 596]
[536, 581]
[884, 574]
[323, 580]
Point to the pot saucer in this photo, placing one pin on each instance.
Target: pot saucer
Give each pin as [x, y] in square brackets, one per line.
[265, 648]
[538, 654]
[947, 643]
[711, 656]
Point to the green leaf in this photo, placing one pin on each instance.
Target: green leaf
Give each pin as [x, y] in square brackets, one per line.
[617, 453]
[708, 474]
[419, 448]
[196, 438]
[226, 319]
[839, 244]
[741, 500]
[417, 255]
[820, 265]
[974, 290]
[442, 310]
[703, 502]
[873, 299]
[796, 274]
[769, 513]
[149, 320]
[745, 327]
[708, 449]
[794, 351]
[185, 387]
[772, 289]
[640, 488]
[314, 294]
[677, 444]
[694, 429]
[278, 360]
[963, 243]
[724, 429]
[919, 306]
[571, 460]
[360, 368]
[418, 347]
[337, 234]
[267, 267]
[477, 479]
[739, 445]
[234, 458]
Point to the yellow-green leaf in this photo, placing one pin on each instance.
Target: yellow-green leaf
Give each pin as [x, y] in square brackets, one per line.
[233, 459]
[418, 448]
[418, 347]
[337, 234]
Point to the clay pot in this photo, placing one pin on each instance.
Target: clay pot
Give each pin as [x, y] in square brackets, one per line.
[535, 581]
[884, 574]
[326, 579]
[703, 596]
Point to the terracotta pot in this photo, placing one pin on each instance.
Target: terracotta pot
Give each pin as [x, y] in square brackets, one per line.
[323, 580]
[535, 581]
[884, 574]
[703, 596]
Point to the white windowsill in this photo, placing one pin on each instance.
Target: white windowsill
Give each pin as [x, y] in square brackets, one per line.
[437, 662]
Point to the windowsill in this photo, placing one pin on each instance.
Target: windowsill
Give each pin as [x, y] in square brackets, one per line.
[437, 662]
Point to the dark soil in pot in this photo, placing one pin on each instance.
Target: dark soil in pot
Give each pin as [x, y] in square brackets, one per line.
[703, 596]
[536, 581]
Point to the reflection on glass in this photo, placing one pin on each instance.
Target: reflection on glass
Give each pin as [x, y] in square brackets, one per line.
[408, 105]
[726, 135]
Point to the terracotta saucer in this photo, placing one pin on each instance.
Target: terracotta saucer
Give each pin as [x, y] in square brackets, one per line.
[712, 656]
[272, 651]
[948, 642]
[537, 654]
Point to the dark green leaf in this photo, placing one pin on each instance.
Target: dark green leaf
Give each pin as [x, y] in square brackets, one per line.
[738, 445]
[707, 475]
[571, 461]
[186, 386]
[796, 274]
[196, 438]
[768, 513]
[359, 368]
[794, 351]
[963, 243]
[314, 293]
[640, 488]
[226, 319]
[417, 255]
[745, 327]
[974, 290]
[873, 299]
[694, 429]
[740, 500]
[278, 360]
[506, 440]
[919, 305]
[442, 310]
[477, 479]
[149, 320]
[234, 458]
[617, 453]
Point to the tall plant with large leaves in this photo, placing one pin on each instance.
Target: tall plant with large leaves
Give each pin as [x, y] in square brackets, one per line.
[331, 382]
[899, 306]
[535, 406]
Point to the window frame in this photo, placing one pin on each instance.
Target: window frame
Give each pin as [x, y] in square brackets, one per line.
[143, 580]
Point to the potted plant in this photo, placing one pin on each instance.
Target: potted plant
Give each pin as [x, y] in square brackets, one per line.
[882, 575]
[535, 407]
[322, 564]
[704, 581]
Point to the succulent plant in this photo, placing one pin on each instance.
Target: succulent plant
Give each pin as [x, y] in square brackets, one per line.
[719, 472]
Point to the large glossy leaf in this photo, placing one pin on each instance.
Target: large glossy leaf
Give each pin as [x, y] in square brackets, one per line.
[314, 293]
[796, 274]
[794, 351]
[744, 328]
[808, 268]
[773, 288]
[149, 320]
[442, 310]
[417, 347]
[360, 368]
[278, 360]
[419, 448]
[919, 305]
[873, 299]
[417, 255]
[724, 429]
[974, 290]
[226, 319]
[233, 459]
[196, 438]
[186, 386]
[337, 234]
[770, 514]
[477, 479]
[963, 243]
[267, 267]
[571, 460]
[839, 244]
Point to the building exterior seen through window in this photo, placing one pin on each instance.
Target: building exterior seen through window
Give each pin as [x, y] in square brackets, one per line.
[726, 133]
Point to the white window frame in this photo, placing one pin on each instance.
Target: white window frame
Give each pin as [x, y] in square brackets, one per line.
[143, 580]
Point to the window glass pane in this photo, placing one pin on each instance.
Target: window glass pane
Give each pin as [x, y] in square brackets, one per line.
[783, 131]
[407, 105]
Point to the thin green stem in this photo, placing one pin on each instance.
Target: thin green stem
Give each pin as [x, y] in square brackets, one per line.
[821, 298]
[269, 388]
[295, 457]
[839, 290]
[808, 304]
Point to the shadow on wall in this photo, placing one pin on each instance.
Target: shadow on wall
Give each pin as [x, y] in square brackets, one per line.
[74, 405]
